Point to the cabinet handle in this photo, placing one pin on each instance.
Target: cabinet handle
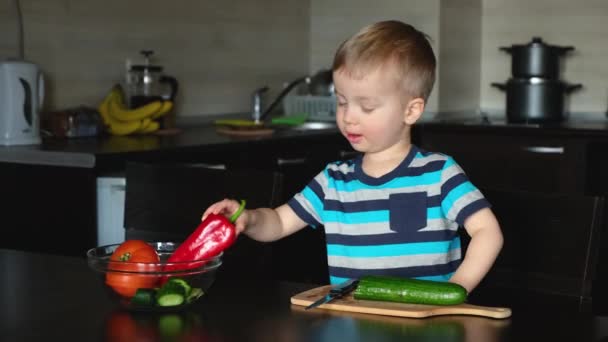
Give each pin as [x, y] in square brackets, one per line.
[291, 161]
[545, 149]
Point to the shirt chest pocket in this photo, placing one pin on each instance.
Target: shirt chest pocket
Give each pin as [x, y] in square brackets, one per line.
[408, 212]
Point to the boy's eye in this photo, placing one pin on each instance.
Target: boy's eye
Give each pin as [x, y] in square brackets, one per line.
[341, 104]
[367, 109]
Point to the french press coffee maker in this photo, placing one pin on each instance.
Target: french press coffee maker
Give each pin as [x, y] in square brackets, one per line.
[146, 83]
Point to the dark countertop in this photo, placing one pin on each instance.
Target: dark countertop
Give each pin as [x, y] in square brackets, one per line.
[574, 128]
[89, 152]
[55, 298]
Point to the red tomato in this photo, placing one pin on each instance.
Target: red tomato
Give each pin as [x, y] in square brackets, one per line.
[132, 256]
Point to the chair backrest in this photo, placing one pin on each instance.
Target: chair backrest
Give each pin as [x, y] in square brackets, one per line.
[165, 202]
[550, 241]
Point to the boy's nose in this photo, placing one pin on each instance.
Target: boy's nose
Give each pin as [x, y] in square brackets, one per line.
[348, 117]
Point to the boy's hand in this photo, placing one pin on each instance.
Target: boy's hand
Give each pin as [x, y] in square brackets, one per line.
[228, 207]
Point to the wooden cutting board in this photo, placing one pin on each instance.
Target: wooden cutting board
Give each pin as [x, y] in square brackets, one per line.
[348, 303]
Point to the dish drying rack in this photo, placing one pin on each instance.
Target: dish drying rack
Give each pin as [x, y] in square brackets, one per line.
[318, 108]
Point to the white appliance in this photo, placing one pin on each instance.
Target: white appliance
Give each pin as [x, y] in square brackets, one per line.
[110, 210]
[21, 98]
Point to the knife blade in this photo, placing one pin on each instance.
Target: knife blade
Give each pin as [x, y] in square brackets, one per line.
[337, 291]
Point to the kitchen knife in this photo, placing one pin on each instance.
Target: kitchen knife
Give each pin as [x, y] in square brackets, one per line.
[337, 291]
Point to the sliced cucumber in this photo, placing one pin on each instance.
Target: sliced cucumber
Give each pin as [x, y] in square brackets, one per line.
[195, 294]
[181, 282]
[173, 292]
[144, 297]
[170, 299]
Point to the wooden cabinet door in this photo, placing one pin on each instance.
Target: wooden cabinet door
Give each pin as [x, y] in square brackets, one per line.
[550, 241]
[302, 256]
[509, 161]
[48, 209]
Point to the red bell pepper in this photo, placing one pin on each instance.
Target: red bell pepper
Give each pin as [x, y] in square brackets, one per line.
[212, 236]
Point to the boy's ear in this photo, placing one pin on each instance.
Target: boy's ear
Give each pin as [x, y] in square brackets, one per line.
[413, 110]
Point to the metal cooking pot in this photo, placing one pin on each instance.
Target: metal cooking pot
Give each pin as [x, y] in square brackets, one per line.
[321, 83]
[536, 59]
[535, 100]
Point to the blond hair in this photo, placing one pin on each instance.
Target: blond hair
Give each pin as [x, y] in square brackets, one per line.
[390, 43]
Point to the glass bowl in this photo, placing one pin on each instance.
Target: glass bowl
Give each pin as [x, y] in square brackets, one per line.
[154, 286]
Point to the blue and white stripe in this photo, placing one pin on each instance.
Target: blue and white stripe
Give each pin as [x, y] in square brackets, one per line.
[403, 223]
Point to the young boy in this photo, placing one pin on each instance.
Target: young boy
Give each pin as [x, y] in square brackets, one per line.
[396, 209]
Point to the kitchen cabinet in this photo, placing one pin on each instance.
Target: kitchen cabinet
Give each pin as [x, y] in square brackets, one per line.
[165, 201]
[547, 190]
[506, 159]
[551, 241]
[302, 256]
[560, 165]
[47, 208]
[63, 194]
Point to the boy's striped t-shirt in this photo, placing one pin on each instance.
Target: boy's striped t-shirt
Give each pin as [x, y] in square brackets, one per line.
[401, 224]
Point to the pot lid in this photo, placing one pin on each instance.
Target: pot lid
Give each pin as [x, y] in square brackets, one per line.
[538, 43]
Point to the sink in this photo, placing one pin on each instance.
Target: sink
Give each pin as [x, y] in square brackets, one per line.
[312, 126]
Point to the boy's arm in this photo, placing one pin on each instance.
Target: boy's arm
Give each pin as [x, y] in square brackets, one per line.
[265, 224]
[486, 242]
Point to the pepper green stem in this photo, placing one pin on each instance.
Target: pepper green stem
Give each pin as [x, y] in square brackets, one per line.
[238, 212]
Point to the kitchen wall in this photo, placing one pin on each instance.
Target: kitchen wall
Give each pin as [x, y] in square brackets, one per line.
[222, 50]
[454, 28]
[333, 21]
[582, 24]
[459, 57]
[467, 35]
[219, 50]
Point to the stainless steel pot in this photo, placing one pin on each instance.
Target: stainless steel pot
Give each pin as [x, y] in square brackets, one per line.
[321, 83]
[536, 59]
[535, 100]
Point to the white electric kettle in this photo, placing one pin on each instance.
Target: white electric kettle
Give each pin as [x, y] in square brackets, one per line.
[21, 98]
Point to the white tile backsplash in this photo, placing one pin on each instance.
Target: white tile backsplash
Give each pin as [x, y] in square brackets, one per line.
[581, 24]
[333, 21]
[220, 51]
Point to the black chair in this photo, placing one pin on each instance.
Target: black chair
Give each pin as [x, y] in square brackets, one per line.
[165, 202]
[550, 242]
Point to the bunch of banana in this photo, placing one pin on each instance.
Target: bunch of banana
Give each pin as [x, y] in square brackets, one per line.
[120, 120]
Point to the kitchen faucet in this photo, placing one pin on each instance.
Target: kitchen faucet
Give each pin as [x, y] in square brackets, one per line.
[257, 114]
[256, 104]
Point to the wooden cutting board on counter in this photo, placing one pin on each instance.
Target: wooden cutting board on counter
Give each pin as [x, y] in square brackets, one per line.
[349, 304]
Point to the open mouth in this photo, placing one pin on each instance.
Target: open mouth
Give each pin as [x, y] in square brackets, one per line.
[354, 138]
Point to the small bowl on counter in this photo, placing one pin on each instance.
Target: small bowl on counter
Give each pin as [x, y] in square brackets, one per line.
[147, 281]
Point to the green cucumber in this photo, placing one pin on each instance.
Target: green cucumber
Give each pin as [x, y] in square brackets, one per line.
[144, 297]
[171, 294]
[407, 290]
[195, 294]
[182, 283]
[170, 299]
